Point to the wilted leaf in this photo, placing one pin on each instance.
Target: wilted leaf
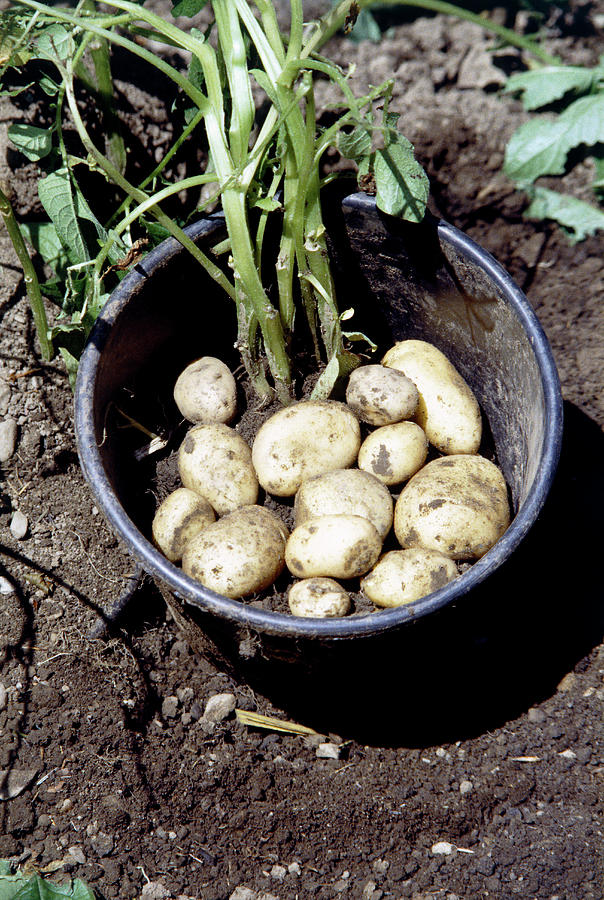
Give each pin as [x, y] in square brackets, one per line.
[543, 86]
[34, 143]
[366, 28]
[580, 219]
[355, 145]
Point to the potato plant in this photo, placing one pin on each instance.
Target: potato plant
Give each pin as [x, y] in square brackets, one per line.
[348, 517]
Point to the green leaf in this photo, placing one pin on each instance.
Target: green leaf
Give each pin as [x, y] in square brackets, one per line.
[55, 43]
[366, 28]
[34, 143]
[543, 86]
[44, 239]
[578, 218]
[23, 887]
[57, 197]
[188, 8]
[584, 121]
[402, 185]
[354, 145]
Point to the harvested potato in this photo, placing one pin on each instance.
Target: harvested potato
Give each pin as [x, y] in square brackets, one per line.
[336, 546]
[380, 395]
[448, 410]
[393, 453]
[239, 554]
[402, 576]
[216, 462]
[345, 492]
[179, 517]
[457, 505]
[318, 598]
[302, 440]
[206, 392]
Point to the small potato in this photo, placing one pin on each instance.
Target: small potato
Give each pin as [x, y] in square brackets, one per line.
[206, 392]
[345, 492]
[239, 554]
[448, 410]
[380, 395]
[336, 546]
[318, 598]
[457, 505]
[216, 462]
[179, 517]
[402, 576]
[393, 453]
[302, 440]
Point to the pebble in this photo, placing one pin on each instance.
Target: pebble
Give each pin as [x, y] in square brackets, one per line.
[536, 715]
[154, 890]
[5, 393]
[294, 869]
[568, 754]
[243, 893]
[3, 696]
[19, 525]
[219, 707]
[8, 439]
[102, 844]
[568, 682]
[368, 890]
[278, 873]
[328, 751]
[380, 867]
[442, 848]
[169, 708]
[6, 587]
[77, 854]
[465, 787]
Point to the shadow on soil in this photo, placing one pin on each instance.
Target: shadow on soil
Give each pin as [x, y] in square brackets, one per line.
[489, 659]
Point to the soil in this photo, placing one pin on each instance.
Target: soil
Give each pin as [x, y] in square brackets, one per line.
[463, 765]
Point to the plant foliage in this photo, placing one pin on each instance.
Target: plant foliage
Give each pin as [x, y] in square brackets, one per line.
[23, 885]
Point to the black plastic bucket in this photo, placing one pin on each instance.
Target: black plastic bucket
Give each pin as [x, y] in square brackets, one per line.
[430, 282]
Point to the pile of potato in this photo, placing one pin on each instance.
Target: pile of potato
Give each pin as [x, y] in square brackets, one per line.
[452, 508]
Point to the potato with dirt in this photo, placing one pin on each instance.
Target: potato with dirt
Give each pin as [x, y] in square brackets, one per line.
[393, 453]
[345, 492]
[342, 546]
[180, 516]
[380, 395]
[318, 598]
[302, 440]
[238, 555]
[403, 576]
[447, 411]
[205, 391]
[456, 505]
[216, 462]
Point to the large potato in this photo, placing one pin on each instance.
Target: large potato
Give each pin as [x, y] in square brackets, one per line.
[216, 462]
[302, 440]
[345, 492]
[179, 517]
[393, 453]
[239, 554]
[448, 410]
[457, 505]
[206, 391]
[318, 598]
[336, 546]
[380, 395]
[402, 576]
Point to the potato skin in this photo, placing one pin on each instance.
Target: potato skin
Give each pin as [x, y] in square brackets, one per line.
[380, 395]
[403, 576]
[318, 598]
[334, 546]
[305, 439]
[345, 492]
[216, 462]
[239, 554]
[393, 453]
[181, 516]
[205, 391]
[457, 505]
[447, 411]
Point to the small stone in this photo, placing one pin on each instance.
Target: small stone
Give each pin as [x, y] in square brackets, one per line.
[243, 893]
[441, 752]
[8, 439]
[92, 829]
[328, 751]
[154, 890]
[3, 696]
[77, 854]
[568, 682]
[66, 805]
[442, 848]
[278, 873]
[568, 754]
[368, 890]
[102, 844]
[196, 711]
[5, 393]
[294, 869]
[380, 867]
[465, 787]
[536, 715]
[219, 707]
[14, 781]
[6, 586]
[19, 525]
[185, 695]
[186, 718]
[169, 708]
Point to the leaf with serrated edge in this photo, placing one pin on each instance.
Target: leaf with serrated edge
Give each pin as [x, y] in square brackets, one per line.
[579, 218]
[543, 86]
[56, 196]
[584, 121]
[536, 148]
